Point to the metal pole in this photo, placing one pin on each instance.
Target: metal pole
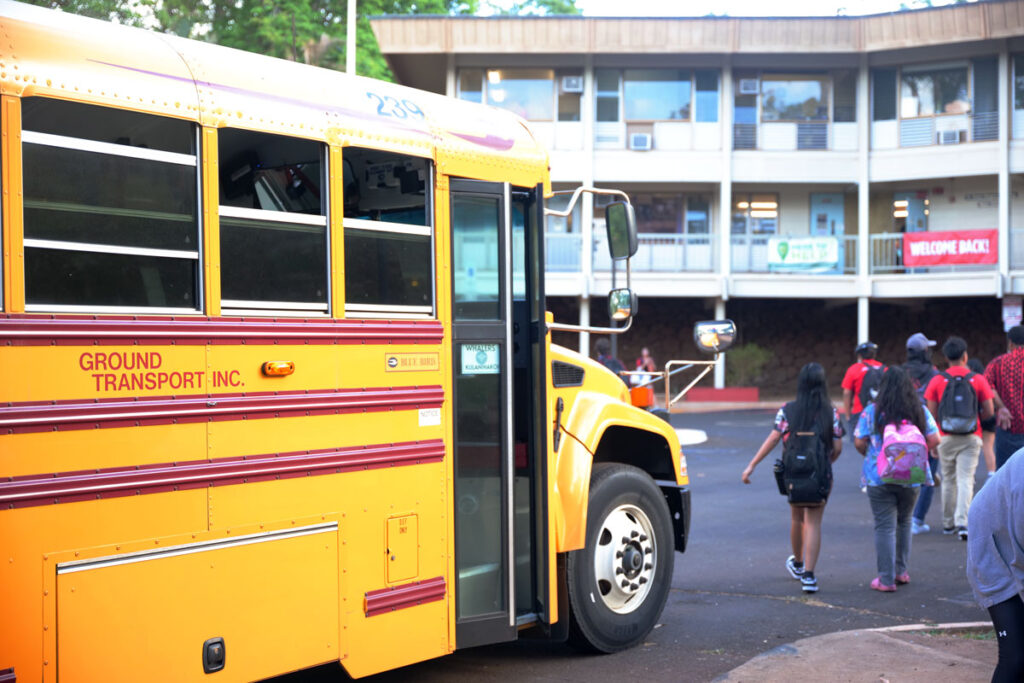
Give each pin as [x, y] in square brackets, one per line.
[350, 39]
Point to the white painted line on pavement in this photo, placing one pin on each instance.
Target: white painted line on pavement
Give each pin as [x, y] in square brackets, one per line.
[691, 437]
[933, 627]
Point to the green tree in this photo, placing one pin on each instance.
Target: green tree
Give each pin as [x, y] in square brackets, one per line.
[309, 31]
[109, 10]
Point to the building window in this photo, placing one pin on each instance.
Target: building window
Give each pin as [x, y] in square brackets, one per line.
[570, 90]
[526, 92]
[111, 203]
[273, 224]
[658, 212]
[794, 98]
[844, 104]
[471, 85]
[706, 85]
[607, 101]
[388, 235]
[698, 212]
[1018, 81]
[656, 94]
[928, 91]
[883, 95]
[755, 214]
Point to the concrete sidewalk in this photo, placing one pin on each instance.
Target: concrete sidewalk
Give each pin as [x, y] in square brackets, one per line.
[920, 653]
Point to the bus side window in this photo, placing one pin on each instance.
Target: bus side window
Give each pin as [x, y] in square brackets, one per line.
[388, 223]
[273, 225]
[111, 209]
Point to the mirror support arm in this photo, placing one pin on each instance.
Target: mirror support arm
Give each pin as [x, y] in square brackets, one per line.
[564, 327]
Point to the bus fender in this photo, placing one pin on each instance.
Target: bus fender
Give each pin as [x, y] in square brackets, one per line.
[592, 416]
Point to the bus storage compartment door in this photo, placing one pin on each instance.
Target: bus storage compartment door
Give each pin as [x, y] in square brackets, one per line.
[272, 598]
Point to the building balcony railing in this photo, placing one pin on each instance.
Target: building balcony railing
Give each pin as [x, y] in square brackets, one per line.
[887, 258]
[823, 255]
[663, 253]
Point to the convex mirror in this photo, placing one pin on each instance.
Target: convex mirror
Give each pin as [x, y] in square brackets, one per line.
[620, 222]
[621, 304]
[714, 336]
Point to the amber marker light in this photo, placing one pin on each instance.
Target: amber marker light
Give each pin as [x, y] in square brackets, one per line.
[278, 368]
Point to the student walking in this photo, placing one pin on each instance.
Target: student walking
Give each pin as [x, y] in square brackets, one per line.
[861, 381]
[813, 414]
[955, 399]
[1006, 376]
[995, 562]
[890, 428]
[988, 427]
[920, 370]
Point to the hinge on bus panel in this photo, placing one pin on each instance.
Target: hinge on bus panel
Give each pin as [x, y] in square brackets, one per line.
[559, 407]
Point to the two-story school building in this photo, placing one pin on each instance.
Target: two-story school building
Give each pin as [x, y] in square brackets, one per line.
[865, 172]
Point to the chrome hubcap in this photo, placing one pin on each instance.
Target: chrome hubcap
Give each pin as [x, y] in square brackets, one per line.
[625, 559]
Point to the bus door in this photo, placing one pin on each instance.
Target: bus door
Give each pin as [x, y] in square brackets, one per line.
[483, 404]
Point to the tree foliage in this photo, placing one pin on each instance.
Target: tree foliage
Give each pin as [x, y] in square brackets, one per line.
[309, 31]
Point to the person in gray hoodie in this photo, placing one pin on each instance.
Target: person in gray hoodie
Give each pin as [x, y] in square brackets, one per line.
[995, 562]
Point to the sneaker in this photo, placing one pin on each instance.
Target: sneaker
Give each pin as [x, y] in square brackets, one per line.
[795, 570]
[808, 582]
[948, 530]
[876, 584]
[917, 527]
[961, 531]
[902, 579]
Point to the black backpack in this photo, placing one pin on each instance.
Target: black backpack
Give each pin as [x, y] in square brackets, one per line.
[806, 471]
[958, 408]
[869, 385]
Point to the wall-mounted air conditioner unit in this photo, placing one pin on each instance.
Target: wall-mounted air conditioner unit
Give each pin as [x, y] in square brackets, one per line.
[640, 142]
[951, 137]
[748, 86]
[572, 84]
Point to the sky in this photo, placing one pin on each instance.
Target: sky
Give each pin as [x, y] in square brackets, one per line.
[743, 8]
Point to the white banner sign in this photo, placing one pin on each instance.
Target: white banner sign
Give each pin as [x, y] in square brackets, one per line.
[1012, 310]
[803, 253]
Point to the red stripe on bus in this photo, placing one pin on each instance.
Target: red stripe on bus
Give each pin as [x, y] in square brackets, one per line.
[69, 487]
[400, 597]
[16, 418]
[45, 330]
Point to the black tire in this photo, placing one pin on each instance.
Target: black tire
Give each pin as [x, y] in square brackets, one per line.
[620, 495]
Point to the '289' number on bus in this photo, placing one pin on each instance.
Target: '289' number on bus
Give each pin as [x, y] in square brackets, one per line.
[392, 106]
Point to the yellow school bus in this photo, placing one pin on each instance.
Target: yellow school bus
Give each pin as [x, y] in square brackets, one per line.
[276, 380]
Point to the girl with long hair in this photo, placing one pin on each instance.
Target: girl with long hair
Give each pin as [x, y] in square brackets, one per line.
[811, 411]
[891, 504]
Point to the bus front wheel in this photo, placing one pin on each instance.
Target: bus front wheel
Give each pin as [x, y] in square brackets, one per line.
[618, 583]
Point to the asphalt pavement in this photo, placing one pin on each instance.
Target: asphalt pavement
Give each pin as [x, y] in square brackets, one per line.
[734, 613]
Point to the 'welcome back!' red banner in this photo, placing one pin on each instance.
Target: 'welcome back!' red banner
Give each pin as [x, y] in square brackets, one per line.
[950, 247]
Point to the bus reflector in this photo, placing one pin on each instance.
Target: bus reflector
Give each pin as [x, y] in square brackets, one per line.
[278, 368]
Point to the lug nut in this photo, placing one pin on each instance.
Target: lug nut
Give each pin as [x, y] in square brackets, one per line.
[634, 534]
[643, 537]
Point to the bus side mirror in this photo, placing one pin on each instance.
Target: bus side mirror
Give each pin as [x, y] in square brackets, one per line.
[621, 304]
[620, 221]
[714, 336]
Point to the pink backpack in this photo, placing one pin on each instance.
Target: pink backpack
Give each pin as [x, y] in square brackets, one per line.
[903, 458]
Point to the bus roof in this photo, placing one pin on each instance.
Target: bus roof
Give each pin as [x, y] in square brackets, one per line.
[55, 54]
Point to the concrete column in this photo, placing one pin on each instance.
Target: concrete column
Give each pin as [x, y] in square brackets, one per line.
[587, 114]
[449, 76]
[863, 310]
[1004, 168]
[725, 187]
[720, 368]
[863, 198]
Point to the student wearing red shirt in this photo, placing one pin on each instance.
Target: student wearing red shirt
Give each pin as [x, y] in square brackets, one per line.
[854, 378]
[958, 453]
[1006, 376]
